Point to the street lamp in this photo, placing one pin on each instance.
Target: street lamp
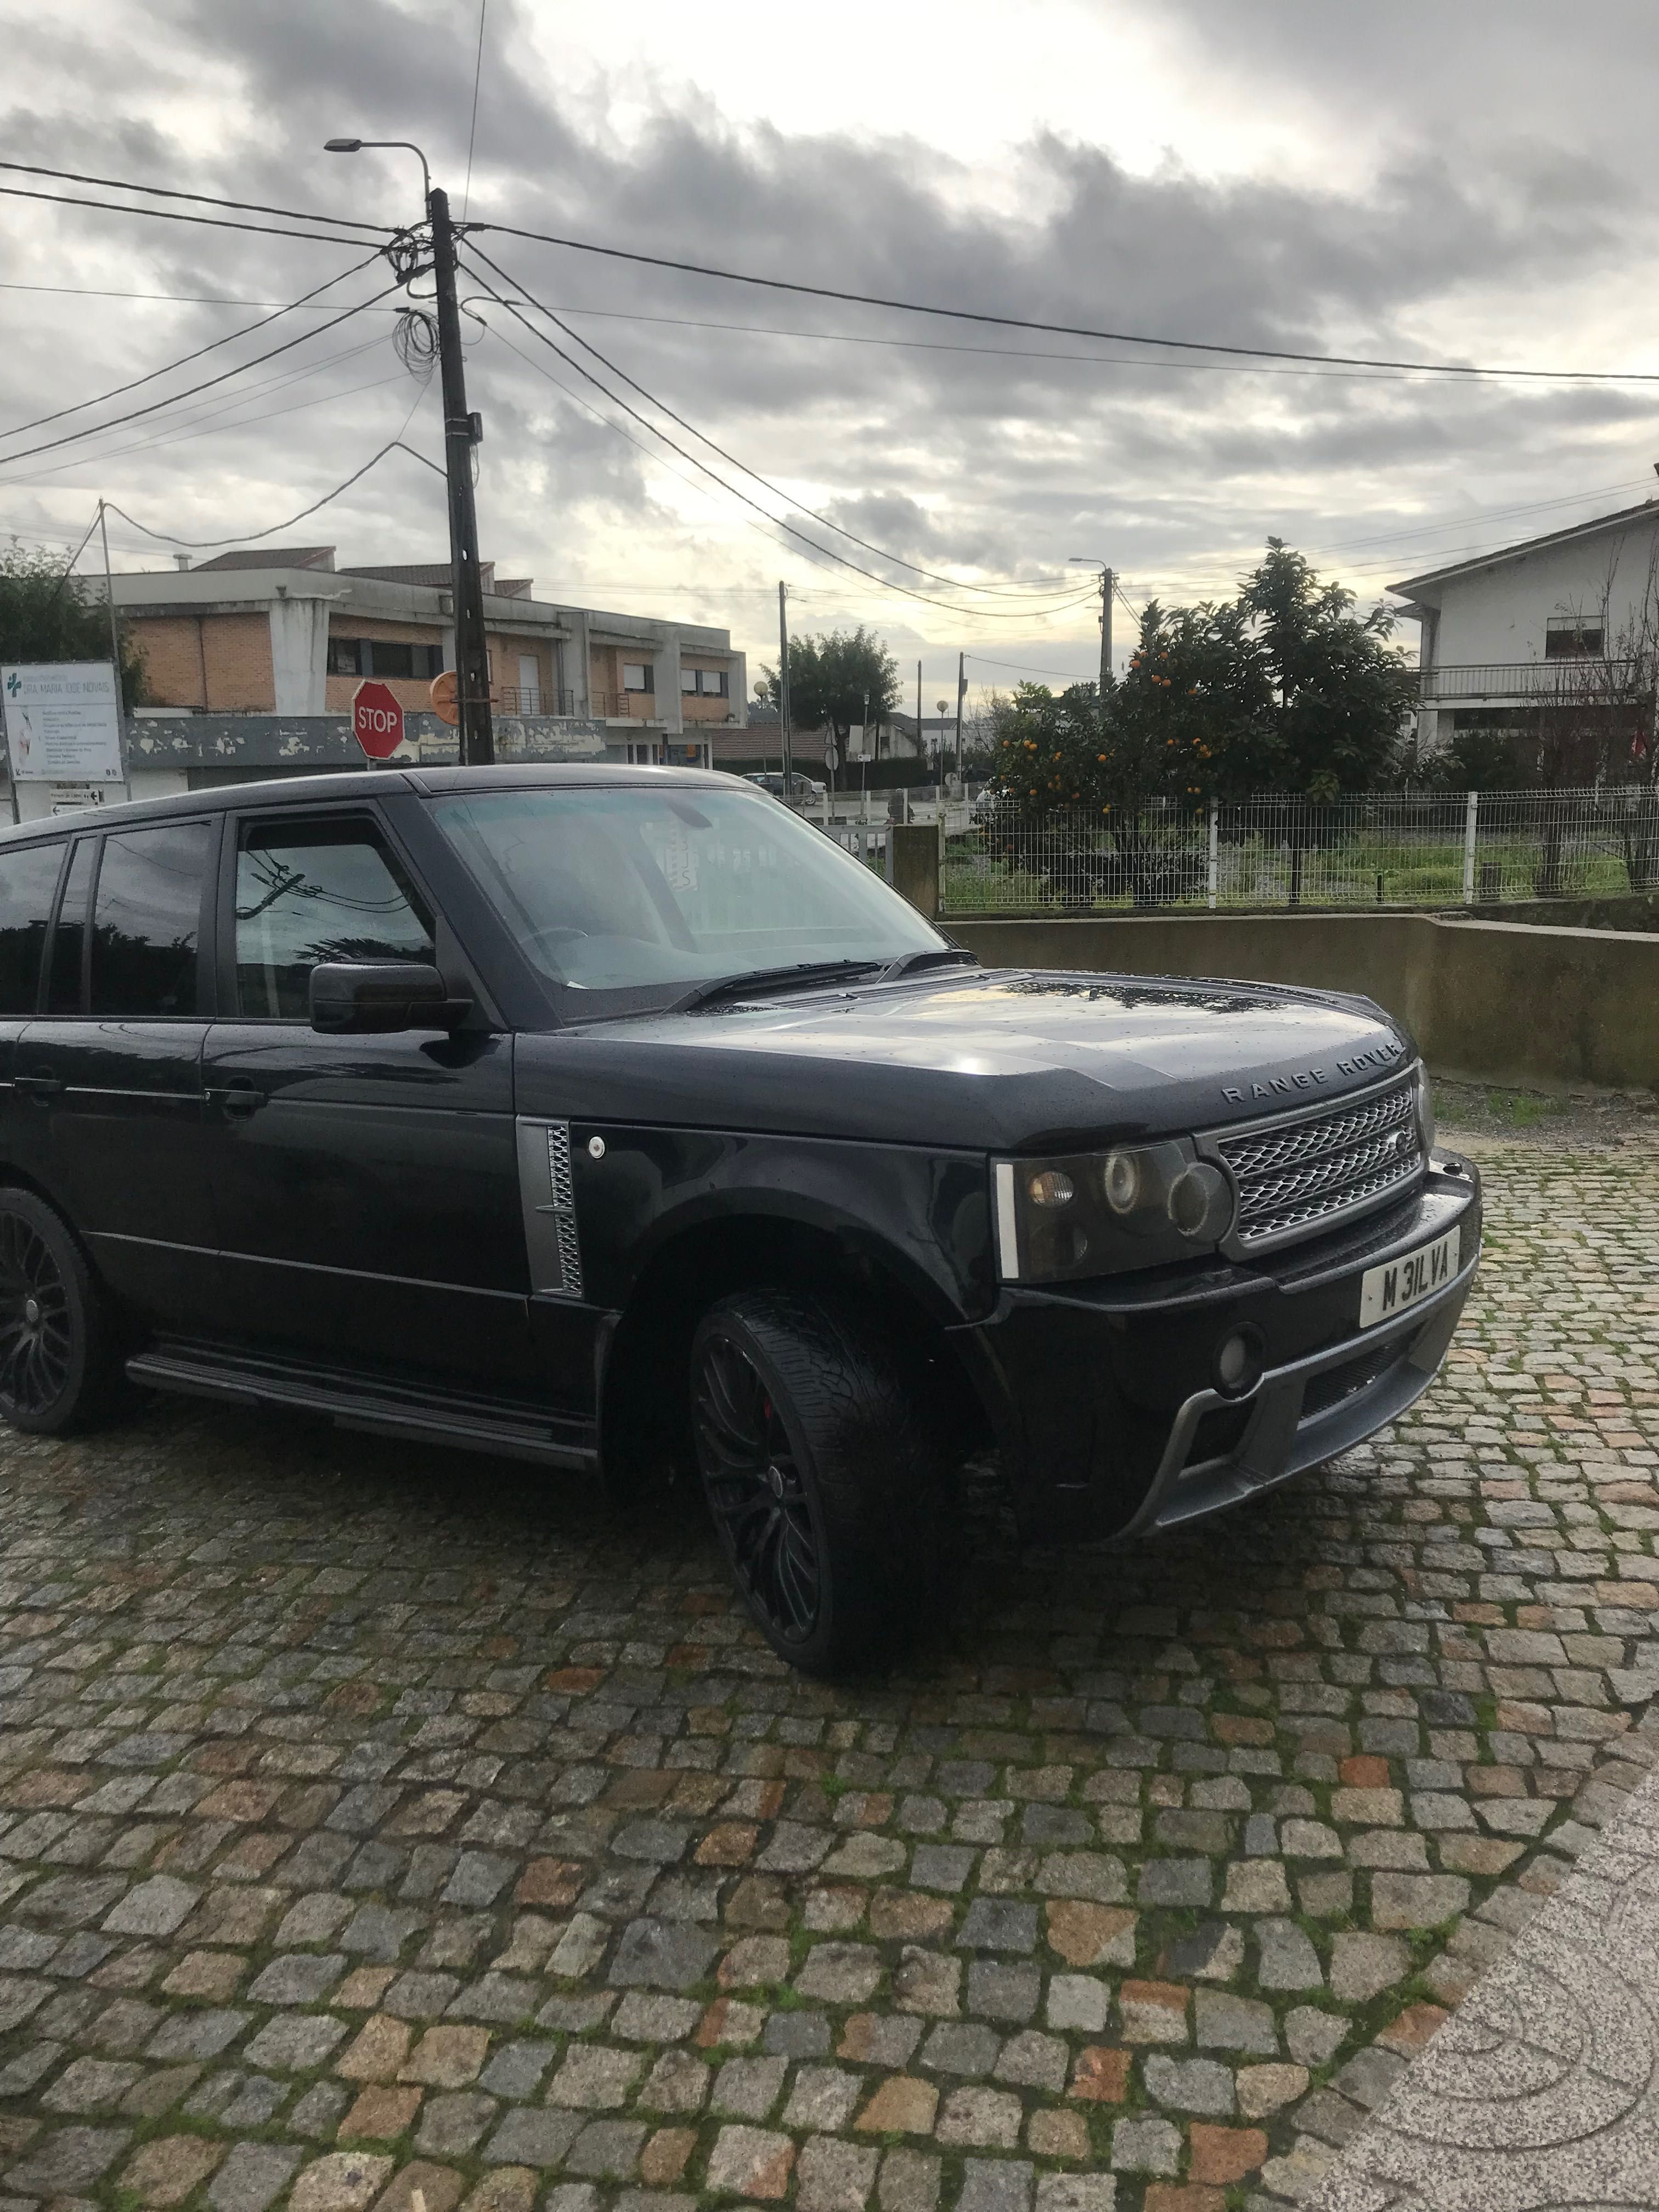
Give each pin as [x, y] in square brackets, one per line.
[362, 145]
[944, 706]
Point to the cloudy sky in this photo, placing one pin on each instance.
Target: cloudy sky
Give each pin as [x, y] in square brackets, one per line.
[1470, 183]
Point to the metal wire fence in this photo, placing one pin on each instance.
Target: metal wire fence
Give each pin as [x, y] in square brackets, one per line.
[1405, 849]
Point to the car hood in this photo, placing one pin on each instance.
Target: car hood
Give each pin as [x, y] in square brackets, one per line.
[1014, 1060]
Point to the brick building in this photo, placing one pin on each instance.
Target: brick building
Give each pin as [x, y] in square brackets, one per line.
[286, 632]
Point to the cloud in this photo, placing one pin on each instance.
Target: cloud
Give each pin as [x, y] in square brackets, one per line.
[969, 450]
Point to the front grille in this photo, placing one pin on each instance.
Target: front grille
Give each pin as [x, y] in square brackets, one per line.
[1301, 1175]
[1330, 1388]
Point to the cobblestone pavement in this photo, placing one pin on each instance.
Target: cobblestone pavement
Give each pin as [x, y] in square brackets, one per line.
[376, 1822]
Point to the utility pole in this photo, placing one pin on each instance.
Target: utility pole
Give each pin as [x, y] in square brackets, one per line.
[462, 431]
[921, 742]
[783, 693]
[962, 685]
[115, 652]
[1107, 586]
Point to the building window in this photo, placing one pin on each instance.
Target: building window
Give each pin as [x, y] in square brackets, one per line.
[369, 656]
[1568, 638]
[706, 683]
[639, 675]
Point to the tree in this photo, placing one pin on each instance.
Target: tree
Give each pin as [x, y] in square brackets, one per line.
[1282, 689]
[844, 678]
[1341, 692]
[47, 615]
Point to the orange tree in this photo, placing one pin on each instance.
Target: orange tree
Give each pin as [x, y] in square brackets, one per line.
[1282, 689]
[1097, 792]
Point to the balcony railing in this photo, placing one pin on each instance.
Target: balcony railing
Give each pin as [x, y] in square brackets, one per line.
[628, 707]
[1522, 679]
[519, 699]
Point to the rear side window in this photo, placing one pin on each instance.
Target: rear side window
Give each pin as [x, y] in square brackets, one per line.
[69, 938]
[27, 880]
[313, 891]
[146, 924]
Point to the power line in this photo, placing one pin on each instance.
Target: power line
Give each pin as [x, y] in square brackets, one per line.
[651, 454]
[252, 537]
[994, 353]
[176, 299]
[200, 199]
[210, 429]
[51, 445]
[174, 432]
[772, 331]
[825, 552]
[1411, 531]
[473, 129]
[1069, 330]
[149, 376]
[1023, 669]
[178, 215]
[954, 583]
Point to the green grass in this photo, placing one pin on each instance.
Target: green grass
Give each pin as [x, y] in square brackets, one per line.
[1257, 873]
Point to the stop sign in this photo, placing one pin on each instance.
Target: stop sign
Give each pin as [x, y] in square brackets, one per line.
[377, 719]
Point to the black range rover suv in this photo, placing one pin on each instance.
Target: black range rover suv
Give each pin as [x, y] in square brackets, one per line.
[605, 1115]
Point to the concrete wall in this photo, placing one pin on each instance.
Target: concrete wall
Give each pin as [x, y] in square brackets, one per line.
[1499, 1001]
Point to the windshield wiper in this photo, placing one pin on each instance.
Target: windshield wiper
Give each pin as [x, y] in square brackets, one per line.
[771, 979]
[910, 963]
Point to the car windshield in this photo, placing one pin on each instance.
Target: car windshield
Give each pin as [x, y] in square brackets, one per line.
[624, 899]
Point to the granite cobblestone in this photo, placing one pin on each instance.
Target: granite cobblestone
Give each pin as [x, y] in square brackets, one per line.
[373, 1821]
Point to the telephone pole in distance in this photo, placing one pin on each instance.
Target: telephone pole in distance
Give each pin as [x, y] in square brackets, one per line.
[783, 693]
[1107, 586]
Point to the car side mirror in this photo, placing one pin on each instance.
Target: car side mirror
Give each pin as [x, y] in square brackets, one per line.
[349, 999]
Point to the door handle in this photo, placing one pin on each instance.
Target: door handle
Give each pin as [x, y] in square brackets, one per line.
[38, 1086]
[238, 1096]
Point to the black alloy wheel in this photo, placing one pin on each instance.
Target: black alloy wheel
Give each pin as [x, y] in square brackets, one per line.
[755, 1493]
[53, 1327]
[824, 1472]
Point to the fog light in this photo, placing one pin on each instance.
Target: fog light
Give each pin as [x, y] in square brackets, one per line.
[1201, 1203]
[1238, 1362]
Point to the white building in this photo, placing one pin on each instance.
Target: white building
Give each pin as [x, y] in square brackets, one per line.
[1500, 630]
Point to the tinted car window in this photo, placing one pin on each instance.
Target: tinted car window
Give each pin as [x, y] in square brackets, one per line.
[27, 880]
[69, 939]
[147, 921]
[313, 891]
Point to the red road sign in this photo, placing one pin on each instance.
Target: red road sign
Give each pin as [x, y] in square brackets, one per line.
[377, 719]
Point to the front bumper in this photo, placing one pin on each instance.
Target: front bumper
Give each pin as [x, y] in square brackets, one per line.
[1104, 1400]
[1303, 1413]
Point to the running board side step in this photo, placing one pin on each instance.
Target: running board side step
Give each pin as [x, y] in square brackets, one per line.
[418, 1421]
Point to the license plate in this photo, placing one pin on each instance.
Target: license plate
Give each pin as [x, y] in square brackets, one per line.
[1398, 1284]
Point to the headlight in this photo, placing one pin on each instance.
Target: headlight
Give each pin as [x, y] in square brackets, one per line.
[1098, 1213]
[1426, 1132]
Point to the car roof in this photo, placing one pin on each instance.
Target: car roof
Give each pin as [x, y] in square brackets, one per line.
[290, 791]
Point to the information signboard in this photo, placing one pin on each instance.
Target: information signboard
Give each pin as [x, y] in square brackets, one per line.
[63, 724]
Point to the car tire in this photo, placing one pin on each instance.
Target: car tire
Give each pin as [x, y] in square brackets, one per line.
[56, 1340]
[823, 1470]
